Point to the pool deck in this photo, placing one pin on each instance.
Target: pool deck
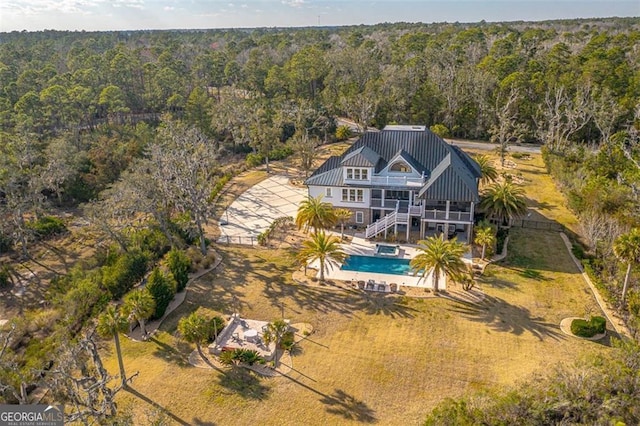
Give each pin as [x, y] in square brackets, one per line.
[360, 246]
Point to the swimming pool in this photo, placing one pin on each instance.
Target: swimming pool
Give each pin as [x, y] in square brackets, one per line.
[379, 265]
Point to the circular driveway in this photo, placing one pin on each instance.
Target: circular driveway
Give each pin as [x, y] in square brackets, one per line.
[256, 209]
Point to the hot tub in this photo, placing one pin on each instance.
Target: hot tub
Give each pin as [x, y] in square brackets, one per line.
[387, 250]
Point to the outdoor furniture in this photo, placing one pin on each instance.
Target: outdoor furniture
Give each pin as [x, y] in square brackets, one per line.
[382, 287]
[393, 287]
[371, 285]
[250, 334]
[361, 285]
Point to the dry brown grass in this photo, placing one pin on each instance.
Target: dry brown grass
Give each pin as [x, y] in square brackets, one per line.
[373, 358]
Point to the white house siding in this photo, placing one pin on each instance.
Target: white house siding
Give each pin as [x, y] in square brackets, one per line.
[336, 198]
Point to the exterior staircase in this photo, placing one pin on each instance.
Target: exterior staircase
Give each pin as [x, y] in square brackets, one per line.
[385, 223]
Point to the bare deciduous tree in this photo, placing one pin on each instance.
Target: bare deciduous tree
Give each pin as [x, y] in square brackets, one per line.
[605, 111]
[82, 382]
[188, 169]
[562, 115]
[507, 129]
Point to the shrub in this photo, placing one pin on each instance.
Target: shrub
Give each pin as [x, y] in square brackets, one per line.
[281, 153]
[83, 300]
[440, 130]
[216, 325]
[343, 133]
[584, 328]
[162, 288]
[179, 264]
[127, 270]
[229, 358]
[520, 155]
[5, 279]
[219, 185]
[287, 341]
[237, 356]
[254, 160]
[47, 226]
[578, 251]
[152, 240]
[599, 324]
[182, 226]
[5, 243]
[501, 236]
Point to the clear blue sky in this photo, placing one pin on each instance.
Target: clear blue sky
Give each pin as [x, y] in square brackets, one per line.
[33, 15]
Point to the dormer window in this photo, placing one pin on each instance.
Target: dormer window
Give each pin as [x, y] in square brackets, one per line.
[400, 167]
[357, 174]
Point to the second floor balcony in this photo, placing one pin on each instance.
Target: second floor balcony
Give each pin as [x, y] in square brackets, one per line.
[397, 181]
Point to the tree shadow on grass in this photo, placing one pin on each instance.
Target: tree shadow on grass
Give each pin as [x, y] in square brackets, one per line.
[156, 405]
[198, 422]
[505, 317]
[348, 407]
[340, 403]
[171, 354]
[344, 302]
[244, 383]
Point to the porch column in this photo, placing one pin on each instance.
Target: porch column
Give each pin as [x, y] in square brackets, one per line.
[421, 228]
[470, 236]
[447, 211]
[382, 201]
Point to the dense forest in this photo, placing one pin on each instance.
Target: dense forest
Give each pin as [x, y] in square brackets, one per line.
[147, 123]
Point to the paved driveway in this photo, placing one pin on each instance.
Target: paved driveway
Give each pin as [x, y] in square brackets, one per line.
[256, 209]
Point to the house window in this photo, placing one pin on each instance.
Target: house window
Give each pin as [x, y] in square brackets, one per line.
[353, 195]
[327, 193]
[400, 167]
[357, 174]
[359, 217]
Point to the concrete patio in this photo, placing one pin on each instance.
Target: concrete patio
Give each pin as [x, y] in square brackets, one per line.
[257, 208]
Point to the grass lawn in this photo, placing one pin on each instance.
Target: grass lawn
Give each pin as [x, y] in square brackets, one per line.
[373, 359]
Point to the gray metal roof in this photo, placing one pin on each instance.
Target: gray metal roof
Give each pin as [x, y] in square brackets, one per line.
[363, 157]
[455, 180]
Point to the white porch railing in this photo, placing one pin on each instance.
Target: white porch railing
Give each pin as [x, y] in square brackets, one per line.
[396, 181]
[442, 215]
[385, 223]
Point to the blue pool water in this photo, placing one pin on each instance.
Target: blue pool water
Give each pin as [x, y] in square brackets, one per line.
[379, 265]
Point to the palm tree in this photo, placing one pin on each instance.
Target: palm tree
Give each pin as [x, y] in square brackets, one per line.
[627, 249]
[488, 171]
[342, 215]
[504, 201]
[485, 236]
[440, 257]
[274, 332]
[139, 306]
[111, 324]
[195, 329]
[323, 248]
[316, 214]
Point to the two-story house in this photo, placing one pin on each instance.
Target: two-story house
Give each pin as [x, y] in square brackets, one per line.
[402, 179]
